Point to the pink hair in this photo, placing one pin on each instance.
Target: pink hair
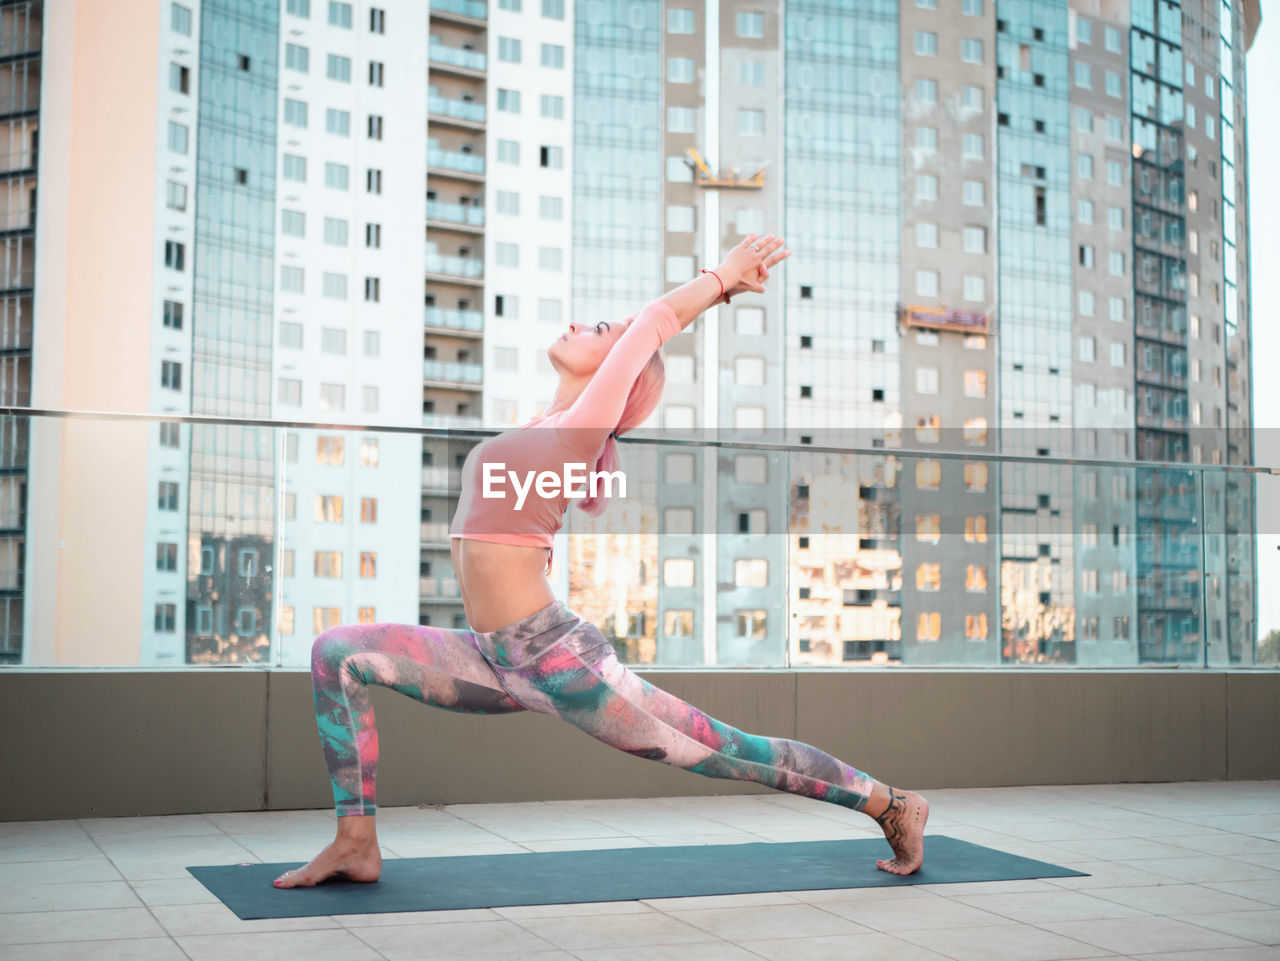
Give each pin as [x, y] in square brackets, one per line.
[644, 396]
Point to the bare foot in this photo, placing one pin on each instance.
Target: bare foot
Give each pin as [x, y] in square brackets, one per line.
[344, 858]
[903, 825]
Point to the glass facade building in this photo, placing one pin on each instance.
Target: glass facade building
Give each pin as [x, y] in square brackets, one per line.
[231, 516]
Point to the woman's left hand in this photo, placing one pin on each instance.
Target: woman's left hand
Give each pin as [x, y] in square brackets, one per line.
[760, 256]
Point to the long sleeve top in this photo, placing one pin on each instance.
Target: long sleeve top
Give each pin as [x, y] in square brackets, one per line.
[491, 506]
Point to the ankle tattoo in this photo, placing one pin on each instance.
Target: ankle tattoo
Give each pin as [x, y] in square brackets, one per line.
[887, 818]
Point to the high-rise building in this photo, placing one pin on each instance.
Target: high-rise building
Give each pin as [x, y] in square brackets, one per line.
[21, 28]
[1018, 228]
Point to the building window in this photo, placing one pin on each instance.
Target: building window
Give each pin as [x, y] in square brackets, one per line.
[372, 290]
[339, 14]
[291, 279]
[975, 288]
[298, 8]
[174, 255]
[375, 126]
[293, 223]
[173, 314]
[1084, 76]
[975, 577]
[167, 496]
[680, 21]
[377, 20]
[928, 577]
[295, 113]
[975, 383]
[177, 138]
[553, 56]
[928, 475]
[335, 286]
[971, 51]
[926, 43]
[926, 380]
[928, 528]
[750, 123]
[508, 152]
[166, 557]
[375, 73]
[975, 192]
[551, 158]
[926, 235]
[297, 57]
[928, 626]
[975, 529]
[751, 572]
[166, 618]
[335, 232]
[926, 91]
[975, 240]
[338, 68]
[509, 49]
[294, 168]
[337, 122]
[751, 25]
[927, 283]
[179, 78]
[927, 139]
[373, 181]
[975, 476]
[975, 627]
[175, 195]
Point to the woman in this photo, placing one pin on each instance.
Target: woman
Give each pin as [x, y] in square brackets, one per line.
[526, 650]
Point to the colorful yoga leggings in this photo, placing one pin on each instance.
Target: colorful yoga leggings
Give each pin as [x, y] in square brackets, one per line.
[553, 662]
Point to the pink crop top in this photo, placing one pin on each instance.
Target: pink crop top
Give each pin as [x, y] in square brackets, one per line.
[572, 436]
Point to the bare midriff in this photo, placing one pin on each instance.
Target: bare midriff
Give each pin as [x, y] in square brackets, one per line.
[500, 583]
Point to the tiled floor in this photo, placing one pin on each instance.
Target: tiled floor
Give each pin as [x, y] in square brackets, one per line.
[1178, 872]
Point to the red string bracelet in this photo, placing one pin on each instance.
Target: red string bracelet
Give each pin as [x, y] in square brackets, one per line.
[717, 277]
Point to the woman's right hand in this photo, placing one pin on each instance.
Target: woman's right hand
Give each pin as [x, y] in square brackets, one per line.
[747, 266]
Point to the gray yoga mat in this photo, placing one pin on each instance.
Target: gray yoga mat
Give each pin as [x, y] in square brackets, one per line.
[612, 874]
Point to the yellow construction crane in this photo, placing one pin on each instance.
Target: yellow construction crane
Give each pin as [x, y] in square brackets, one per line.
[705, 178]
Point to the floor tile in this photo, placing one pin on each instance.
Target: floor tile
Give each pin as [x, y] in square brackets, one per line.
[613, 931]
[1038, 907]
[707, 951]
[588, 909]
[335, 945]
[869, 946]
[1260, 926]
[181, 920]
[169, 826]
[1130, 935]
[99, 925]
[1015, 942]
[72, 896]
[132, 949]
[1203, 869]
[97, 868]
[391, 918]
[455, 940]
[1178, 900]
[712, 902]
[894, 916]
[1257, 953]
[173, 891]
[770, 921]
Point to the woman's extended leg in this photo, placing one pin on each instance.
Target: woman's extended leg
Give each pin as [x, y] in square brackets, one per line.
[433, 665]
[583, 682]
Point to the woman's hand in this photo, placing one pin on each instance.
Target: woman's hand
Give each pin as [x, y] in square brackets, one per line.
[747, 266]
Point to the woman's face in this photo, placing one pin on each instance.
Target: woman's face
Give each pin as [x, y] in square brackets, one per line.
[583, 348]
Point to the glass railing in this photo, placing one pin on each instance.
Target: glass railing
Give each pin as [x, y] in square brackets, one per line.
[455, 213]
[455, 160]
[462, 109]
[467, 8]
[452, 370]
[469, 267]
[454, 319]
[469, 59]
[166, 541]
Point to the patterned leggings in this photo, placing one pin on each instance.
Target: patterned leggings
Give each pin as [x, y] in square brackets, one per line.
[553, 662]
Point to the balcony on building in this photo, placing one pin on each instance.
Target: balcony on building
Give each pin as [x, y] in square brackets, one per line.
[462, 217]
[445, 58]
[456, 112]
[454, 163]
[452, 373]
[443, 268]
[471, 13]
[464, 323]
